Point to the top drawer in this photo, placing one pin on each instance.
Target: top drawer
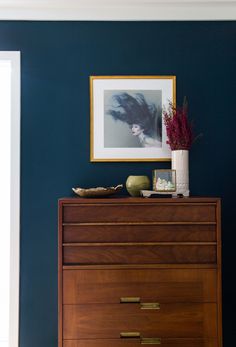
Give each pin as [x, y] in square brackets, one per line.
[181, 212]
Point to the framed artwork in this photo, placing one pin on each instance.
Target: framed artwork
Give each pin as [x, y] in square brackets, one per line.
[126, 117]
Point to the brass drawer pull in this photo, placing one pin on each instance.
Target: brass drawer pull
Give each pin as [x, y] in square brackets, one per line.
[150, 341]
[150, 306]
[143, 340]
[143, 305]
[126, 300]
[130, 334]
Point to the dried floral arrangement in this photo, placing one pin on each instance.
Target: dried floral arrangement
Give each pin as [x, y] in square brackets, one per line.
[179, 129]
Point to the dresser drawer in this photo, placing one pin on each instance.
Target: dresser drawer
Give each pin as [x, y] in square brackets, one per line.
[144, 285]
[181, 212]
[139, 254]
[138, 232]
[108, 321]
[136, 343]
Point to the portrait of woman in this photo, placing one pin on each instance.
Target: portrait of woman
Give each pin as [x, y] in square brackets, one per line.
[126, 122]
[141, 117]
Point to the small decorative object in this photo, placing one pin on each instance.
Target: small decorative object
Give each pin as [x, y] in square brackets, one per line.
[150, 193]
[126, 117]
[96, 192]
[180, 138]
[164, 181]
[135, 184]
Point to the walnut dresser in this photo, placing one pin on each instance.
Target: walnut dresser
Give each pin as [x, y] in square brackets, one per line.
[138, 271]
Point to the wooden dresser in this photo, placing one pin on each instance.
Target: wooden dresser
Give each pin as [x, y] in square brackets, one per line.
[138, 271]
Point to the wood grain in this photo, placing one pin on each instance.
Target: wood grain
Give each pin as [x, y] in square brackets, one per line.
[98, 321]
[139, 213]
[161, 250]
[138, 233]
[136, 343]
[60, 280]
[219, 273]
[144, 254]
[127, 200]
[164, 286]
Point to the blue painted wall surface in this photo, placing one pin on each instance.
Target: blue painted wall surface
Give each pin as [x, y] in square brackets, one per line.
[57, 60]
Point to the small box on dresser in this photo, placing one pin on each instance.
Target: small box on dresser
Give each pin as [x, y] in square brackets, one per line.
[139, 271]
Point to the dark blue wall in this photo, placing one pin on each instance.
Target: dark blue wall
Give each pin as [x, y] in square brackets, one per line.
[57, 60]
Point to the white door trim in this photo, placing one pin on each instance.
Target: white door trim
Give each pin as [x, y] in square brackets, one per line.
[118, 9]
[14, 58]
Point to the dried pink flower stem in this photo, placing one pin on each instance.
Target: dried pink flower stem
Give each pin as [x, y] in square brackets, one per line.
[178, 128]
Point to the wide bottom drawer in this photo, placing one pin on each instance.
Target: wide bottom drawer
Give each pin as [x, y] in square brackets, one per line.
[164, 320]
[137, 342]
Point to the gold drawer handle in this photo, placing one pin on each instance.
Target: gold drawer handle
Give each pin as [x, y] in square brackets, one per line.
[150, 341]
[150, 306]
[143, 305]
[130, 334]
[132, 299]
[143, 340]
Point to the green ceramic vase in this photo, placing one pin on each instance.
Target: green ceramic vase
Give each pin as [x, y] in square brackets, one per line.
[136, 183]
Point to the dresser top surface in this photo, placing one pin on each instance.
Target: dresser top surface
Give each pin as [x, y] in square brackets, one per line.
[139, 200]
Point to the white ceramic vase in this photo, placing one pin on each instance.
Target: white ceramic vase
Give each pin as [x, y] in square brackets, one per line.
[180, 163]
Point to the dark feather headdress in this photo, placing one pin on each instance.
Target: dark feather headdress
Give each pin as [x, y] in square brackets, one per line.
[135, 110]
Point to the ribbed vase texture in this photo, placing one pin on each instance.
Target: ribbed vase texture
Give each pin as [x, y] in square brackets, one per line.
[180, 163]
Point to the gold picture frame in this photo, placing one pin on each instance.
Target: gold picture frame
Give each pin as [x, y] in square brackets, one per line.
[126, 123]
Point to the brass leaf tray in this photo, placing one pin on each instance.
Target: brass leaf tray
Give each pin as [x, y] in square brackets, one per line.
[96, 192]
